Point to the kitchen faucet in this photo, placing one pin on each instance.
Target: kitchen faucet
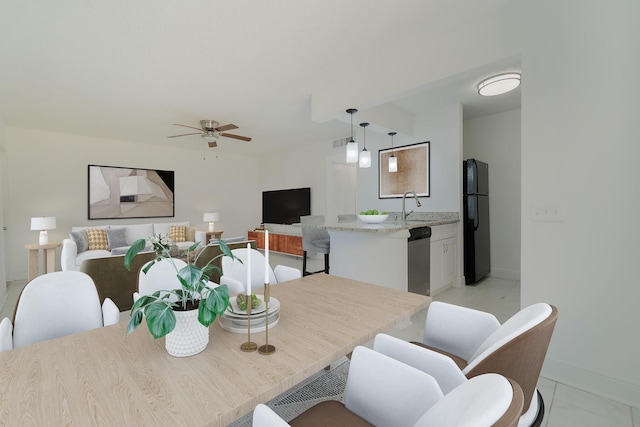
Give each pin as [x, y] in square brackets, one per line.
[404, 197]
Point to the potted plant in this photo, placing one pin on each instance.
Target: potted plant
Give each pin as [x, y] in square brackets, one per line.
[195, 305]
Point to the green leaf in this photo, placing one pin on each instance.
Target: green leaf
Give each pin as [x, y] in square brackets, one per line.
[137, 246]
[160, 319]
[205, 317]
[134, 322]
[218, 299]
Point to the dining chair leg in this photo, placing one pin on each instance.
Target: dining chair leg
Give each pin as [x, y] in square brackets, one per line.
[326, 263]
[304, 263]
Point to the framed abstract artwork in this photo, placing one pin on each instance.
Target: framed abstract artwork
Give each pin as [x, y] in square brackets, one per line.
[120, 192]
[413, 171]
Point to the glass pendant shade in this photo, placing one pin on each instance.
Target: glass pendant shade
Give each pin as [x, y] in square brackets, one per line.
[352, 152]
[365, 156]
[393, 163]
[365, 159]
[393, 160]
[352, 146]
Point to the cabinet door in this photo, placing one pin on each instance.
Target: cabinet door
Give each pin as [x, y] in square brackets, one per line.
[437, 254]
[449, 261]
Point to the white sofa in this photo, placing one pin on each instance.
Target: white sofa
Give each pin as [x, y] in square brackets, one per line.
[71, 258]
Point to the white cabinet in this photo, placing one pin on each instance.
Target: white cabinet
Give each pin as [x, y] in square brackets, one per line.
[444, 256]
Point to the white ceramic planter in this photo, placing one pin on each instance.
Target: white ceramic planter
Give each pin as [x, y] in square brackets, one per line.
[189, 337]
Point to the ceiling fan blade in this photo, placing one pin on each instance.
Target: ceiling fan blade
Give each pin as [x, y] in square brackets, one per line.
[213, 144]
[185, 134]
[230, 135]
[186, 126]
[226, 127]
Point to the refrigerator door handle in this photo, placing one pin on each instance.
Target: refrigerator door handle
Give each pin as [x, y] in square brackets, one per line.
[476, 219]
[476, 183]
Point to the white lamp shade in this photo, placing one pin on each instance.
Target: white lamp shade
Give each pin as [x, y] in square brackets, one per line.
[497, 85]
[352, 152]
[365, 159]
[393, 164]
[211, 217]
[43, 223]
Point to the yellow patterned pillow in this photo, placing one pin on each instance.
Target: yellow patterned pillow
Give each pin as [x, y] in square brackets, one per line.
[97, 239]
[177, 233]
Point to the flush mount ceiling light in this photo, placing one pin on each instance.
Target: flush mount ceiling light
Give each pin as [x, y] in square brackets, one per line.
[497, 85]
[365, 156]
[393, 160]
[352, 147]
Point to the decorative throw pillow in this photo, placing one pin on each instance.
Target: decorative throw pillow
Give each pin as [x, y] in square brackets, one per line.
[97, 239]
[116, 237]
[177, 233]
[81, 239]
[190, 234]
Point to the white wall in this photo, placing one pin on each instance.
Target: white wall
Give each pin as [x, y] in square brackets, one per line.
[3, 192]
[54, 183]
[495, 139]
[443, 128]
[580, 150]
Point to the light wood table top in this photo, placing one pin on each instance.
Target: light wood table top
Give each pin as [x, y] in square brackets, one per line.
[104, 377]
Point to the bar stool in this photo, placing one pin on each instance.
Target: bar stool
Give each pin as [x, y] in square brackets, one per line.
[314, 240]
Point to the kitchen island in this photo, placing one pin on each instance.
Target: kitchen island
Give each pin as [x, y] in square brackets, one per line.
[378, 253]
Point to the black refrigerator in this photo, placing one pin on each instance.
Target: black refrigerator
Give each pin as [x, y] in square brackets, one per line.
[477, 253]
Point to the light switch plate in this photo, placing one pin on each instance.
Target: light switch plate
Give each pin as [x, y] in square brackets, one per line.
[547, 211]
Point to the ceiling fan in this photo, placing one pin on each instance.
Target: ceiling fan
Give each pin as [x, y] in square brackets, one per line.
[210, 130]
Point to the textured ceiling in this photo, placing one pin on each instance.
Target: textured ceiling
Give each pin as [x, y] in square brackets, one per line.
[128, 70]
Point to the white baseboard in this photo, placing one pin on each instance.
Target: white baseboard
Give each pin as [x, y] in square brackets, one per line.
[593, 382]
[505, 274]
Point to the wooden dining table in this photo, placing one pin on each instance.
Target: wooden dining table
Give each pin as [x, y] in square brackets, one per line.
[105, 377]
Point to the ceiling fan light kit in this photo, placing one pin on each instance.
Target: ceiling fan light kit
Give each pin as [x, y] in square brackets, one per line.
[499, 84]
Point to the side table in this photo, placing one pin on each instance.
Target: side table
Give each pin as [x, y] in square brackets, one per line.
[213, 235]
[34, 261]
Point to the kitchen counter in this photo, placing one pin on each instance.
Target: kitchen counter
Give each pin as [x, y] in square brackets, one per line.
[377, 253]
[392, 224]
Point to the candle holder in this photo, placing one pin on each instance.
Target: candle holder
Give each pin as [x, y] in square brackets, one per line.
[249, 345]
[267, 349]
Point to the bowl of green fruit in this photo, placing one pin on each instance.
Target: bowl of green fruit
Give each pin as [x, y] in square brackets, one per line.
[372, 216]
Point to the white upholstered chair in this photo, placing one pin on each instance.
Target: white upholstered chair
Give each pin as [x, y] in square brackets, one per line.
[234, 273]
[460, 343]
[54, 305]
[162, 276]
[385, 392]
[314, 240]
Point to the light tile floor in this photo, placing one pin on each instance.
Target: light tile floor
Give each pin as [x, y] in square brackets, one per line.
[565, 406]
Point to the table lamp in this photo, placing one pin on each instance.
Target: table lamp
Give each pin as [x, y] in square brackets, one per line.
[43, 223]
[211, 217]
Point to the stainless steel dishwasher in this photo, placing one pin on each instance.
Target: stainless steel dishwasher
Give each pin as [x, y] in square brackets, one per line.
[419, 260]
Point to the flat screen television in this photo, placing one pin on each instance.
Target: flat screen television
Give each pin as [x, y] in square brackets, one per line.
[285, 206]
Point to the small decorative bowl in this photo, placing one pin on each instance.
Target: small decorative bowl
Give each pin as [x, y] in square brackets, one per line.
[373, 219]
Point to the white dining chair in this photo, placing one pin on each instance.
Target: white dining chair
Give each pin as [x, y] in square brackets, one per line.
[54, 305]
[234, 273]
[163, 275]
[460, 343]
[382, 391]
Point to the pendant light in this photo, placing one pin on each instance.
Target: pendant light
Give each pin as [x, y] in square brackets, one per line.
[352, 147]
[365, 156]
[393, 160]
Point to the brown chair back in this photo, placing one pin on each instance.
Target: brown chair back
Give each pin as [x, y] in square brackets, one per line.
[113, 280]
[521, 358]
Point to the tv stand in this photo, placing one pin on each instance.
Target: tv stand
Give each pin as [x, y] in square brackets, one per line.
[282, 243]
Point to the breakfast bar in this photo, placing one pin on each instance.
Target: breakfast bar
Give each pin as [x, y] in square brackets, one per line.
[379, 253]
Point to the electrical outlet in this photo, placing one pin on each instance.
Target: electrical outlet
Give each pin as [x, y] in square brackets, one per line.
[547, 211]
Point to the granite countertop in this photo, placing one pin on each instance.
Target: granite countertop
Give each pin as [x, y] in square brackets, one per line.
[415, 220]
